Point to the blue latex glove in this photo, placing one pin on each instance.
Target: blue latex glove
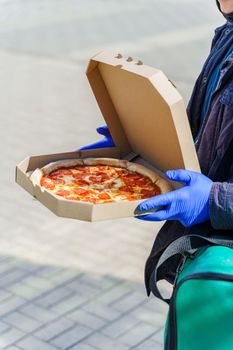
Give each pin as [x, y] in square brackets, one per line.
[189, 204]
[107, 141]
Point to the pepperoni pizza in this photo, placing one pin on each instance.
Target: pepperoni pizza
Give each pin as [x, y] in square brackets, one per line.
[99, 180]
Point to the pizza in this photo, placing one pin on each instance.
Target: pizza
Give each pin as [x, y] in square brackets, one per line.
[99, 180]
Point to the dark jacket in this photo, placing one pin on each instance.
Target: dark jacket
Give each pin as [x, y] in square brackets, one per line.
[214, 146]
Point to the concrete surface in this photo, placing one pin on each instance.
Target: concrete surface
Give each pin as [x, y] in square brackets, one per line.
[67, 284]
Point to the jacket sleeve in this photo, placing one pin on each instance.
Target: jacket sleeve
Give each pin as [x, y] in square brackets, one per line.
[221, 205]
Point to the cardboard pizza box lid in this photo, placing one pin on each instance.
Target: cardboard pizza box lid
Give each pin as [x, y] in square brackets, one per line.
[144, 111]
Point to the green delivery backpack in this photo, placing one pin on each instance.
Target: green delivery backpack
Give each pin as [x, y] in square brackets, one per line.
[201, 307]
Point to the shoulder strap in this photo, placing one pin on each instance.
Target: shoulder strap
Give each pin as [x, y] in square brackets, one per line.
[183, 246]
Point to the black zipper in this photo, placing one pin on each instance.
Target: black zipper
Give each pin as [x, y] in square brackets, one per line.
[171, 341]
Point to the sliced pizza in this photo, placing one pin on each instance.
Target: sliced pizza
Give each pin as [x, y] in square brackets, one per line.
[99, 180]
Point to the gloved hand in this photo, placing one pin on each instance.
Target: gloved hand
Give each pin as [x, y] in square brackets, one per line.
[107, 141]
[189, 204]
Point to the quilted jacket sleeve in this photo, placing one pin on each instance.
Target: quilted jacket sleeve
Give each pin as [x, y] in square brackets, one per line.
[221, 205]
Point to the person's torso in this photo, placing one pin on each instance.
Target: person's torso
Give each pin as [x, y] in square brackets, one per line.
[212, 136]
[214, 133]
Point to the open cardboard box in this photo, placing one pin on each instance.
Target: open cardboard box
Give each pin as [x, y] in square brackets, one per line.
[147, 120]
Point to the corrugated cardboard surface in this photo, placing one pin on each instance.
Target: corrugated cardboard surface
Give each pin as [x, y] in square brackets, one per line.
[143, 102]
[147, 120]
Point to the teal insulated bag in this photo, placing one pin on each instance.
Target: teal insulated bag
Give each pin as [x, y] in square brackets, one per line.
[201, 307]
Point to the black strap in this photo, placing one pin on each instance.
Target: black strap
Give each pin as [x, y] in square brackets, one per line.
[183, 246]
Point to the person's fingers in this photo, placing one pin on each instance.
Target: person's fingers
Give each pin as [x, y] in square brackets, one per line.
[147, 217]
[103, 130]
[160, 215]
[157, 201]
[83, 148]
[179, 175]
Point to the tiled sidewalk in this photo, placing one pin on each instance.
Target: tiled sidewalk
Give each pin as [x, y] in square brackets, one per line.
[67, 284]
[45, 307]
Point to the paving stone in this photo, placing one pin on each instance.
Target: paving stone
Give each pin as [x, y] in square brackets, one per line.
[87, 319]
[23, 290]
[54, 297]
[10, 304]
[102, 311]
[39, 283]
[31, 342]
[53, 329]
[83, 289]
[159, 336]
[136, 335]
[50, 271]
[102, 282]
[145, 314]
[102, 342]
[10, 337]
[4, 294]
[82, 346]
[38, 313]
[22, 322]
[128, 302]
[6, 266]
[114, 294]
[149, 345]
[71, 337]
[68, 304]
[12, 276]
[64, 276]
[25, 266]
[156, 305]
[158, 346]
[120, 326]
[4, 327]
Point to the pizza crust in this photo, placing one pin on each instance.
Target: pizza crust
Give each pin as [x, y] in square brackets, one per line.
[143, 171]
[36, 176]
[106, 161]
[162, 183]
[66, 163]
